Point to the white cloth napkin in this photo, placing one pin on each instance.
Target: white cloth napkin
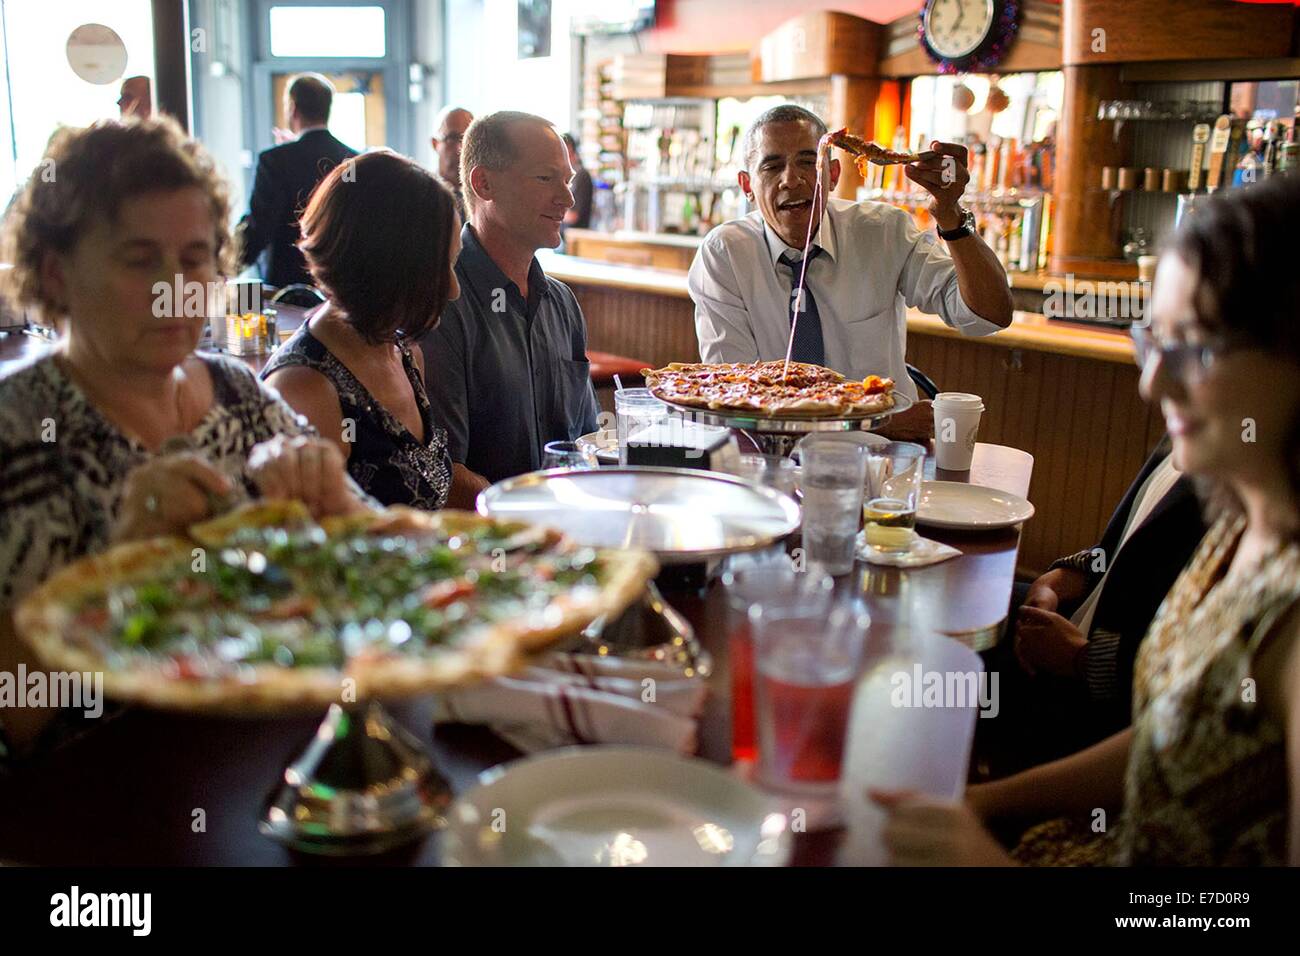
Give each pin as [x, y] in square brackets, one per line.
[922, 552]
[562, 698]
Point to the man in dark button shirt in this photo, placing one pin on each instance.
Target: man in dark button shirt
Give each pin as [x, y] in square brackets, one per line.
[507, 366]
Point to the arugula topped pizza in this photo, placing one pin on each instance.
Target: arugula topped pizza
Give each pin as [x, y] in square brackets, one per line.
[266, 610]
[767, 389]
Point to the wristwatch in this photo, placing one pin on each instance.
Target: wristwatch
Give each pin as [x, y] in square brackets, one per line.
[966, 228]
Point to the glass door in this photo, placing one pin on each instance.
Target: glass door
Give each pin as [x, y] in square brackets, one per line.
[359, 45]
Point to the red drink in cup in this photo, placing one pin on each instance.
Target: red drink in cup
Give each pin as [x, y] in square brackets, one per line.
[806, 661]
[775, 584]
[808, 726]
[742, 693]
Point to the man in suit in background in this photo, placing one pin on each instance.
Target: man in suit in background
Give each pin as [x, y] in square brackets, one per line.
[286, 176]
[451, 123]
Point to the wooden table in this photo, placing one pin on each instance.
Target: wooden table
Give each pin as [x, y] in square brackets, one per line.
[129, 792]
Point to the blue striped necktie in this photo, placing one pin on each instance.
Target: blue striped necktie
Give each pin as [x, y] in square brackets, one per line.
[808, 345]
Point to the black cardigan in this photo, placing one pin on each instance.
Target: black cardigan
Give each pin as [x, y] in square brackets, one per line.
[1141, 574]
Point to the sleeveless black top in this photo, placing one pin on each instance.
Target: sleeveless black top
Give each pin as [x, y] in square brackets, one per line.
[386, 459]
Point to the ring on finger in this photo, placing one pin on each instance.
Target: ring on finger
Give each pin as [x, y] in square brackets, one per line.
[151, 504]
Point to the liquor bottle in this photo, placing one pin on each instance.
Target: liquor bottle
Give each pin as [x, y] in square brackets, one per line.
[1272, 140]
[1289, 155]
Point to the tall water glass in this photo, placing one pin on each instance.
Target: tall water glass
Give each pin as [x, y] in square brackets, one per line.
[833, 476]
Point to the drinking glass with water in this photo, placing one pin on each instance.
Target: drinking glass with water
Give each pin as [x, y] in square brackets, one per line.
[834, 473]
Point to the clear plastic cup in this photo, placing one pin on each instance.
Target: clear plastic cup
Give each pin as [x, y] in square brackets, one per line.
[834, 473]
[636, 410]
[773, 586]
[806, 661]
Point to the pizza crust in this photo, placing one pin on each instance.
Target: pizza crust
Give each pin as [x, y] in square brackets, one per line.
[45, 619]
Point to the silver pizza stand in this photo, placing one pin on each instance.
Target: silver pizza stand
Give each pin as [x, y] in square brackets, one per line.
[362, 785]
[683, 516]
[778, 436]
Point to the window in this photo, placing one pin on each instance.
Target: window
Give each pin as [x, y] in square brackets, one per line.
[356, 32]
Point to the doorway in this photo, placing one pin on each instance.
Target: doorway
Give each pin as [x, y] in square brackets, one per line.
[359, 45]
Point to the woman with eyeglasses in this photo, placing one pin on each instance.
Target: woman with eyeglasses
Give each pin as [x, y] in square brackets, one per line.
[1208, 774]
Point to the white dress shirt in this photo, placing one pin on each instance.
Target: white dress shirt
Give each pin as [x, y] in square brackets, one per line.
[875, 262]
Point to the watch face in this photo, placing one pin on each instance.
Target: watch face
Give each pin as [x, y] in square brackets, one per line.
[957, 28]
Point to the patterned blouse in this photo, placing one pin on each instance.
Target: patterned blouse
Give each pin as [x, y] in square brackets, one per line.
[1207, 782]
[386, 460]
[1207, 779]
[63, 465]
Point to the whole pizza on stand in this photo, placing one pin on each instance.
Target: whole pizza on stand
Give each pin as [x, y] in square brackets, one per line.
[266, 610]
[768, 389]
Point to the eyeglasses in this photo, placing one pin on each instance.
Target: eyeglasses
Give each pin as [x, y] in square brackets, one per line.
[1188, 362]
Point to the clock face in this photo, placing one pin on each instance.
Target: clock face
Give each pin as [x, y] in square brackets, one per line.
[956, 28]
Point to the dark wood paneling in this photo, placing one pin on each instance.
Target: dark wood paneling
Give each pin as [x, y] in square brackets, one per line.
[1085, 227]
[1173, 30]
[819, 44]
[1083, 421]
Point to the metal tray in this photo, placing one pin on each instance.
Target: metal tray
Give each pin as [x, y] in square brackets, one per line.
[789, 424]
[683, 515]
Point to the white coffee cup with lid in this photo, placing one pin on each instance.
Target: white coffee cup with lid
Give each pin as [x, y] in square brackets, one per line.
[956, 423]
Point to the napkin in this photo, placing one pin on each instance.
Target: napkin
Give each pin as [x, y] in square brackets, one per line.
[567, 698]
[922, 552]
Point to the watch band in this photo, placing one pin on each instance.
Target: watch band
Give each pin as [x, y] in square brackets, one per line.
[967, 228]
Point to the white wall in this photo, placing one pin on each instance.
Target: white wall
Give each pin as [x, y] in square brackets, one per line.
[426, 49]
[45, 92]
[484, 73]
[219, 90]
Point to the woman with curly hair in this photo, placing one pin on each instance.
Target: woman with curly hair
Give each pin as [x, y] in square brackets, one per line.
[123, 430]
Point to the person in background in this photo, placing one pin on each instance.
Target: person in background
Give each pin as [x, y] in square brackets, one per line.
[286, 175]
[149, 436]
[869, 262]
[1067, 667]
[579, 217]
[508, 362]
[381, 236]
[1209, 772]
[451, 123]
[136, 97]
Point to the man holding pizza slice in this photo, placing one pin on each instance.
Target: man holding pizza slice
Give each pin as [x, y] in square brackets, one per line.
[868, 262]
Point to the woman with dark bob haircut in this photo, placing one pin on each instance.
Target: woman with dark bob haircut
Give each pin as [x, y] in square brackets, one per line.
[1208, 774]
[381, 237]
[123, 430]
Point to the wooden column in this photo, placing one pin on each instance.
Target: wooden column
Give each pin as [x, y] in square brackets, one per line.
[1086, 225]
[853, 104]
[171, 57]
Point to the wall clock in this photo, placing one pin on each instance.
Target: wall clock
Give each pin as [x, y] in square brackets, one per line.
[964, 36]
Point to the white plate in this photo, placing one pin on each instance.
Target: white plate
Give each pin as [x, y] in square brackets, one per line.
[604, 443]
[614, 806]
[957, 505]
